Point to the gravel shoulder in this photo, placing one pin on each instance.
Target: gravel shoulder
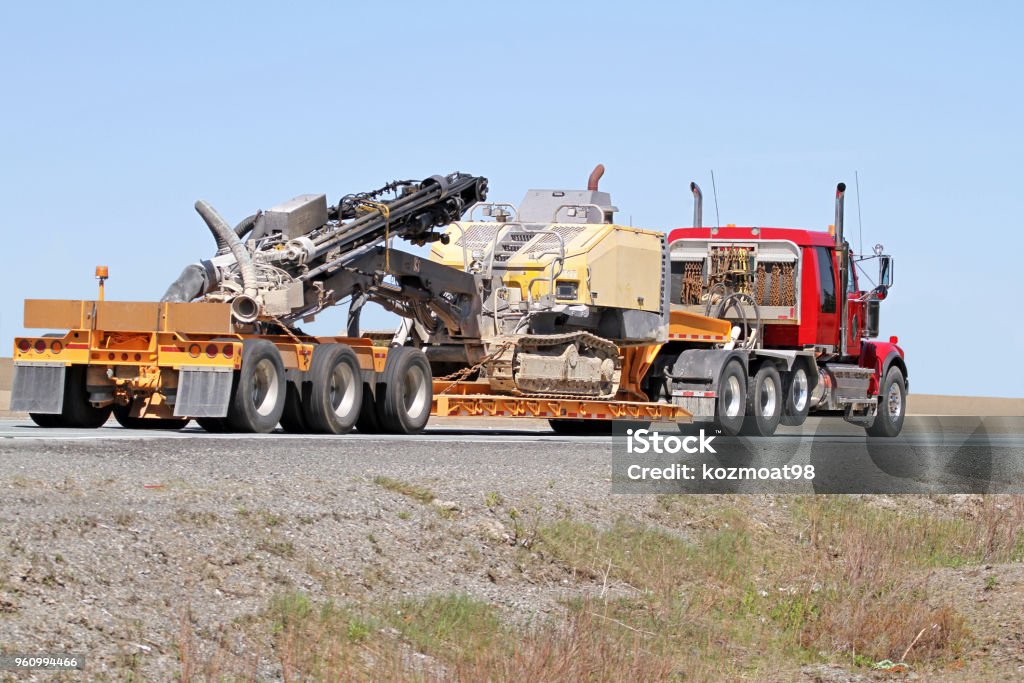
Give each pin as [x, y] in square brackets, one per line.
[116, 549]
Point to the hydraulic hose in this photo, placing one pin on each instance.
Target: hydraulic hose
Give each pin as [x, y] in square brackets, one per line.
[246, 226]
[191, 283]
[225, 236]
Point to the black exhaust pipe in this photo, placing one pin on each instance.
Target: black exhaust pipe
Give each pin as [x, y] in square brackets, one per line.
[698, 205]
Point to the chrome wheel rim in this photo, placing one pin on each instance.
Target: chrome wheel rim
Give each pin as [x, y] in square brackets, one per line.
[894, 401]
[416, 396]
[731, 400]
[342, 390]
[264, 387]
[800, 390]
[768, 398]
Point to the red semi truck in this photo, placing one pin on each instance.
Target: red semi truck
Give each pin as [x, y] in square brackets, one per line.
[805, 319]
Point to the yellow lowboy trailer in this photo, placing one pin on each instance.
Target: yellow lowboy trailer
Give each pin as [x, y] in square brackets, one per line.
[546, 310]
[160, 364]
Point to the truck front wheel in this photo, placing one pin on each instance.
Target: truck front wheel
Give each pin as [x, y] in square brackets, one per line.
[258, 394]
[892, 405]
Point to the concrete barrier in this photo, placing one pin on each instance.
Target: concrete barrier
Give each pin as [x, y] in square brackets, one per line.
[917, 404]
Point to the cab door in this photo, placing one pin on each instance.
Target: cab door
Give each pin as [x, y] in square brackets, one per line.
[828, 304]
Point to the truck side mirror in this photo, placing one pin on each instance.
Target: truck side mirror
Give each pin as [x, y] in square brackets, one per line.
[885, 268]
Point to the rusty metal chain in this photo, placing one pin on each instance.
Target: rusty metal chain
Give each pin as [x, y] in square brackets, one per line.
[761, 276]
[459, 375]
[788, 286]
[775, 294]
[693, 282]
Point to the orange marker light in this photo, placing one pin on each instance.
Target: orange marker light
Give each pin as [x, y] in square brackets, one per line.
[102, 273]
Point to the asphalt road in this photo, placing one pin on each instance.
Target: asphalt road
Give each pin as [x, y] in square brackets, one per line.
[933, 455]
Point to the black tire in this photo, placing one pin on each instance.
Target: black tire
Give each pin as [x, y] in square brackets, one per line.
[213, 425]
[731, 399]
[796, 389]
[333, 391]
[293, 419]
[78, 412]
[405, 391]
[123, 416]
[258, 389]
[572, 427]
[368, 422]
[892, 405]
[48, 420]
[764, 402]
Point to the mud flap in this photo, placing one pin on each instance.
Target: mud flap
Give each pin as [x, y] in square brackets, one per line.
[38, 388]
[203, 392]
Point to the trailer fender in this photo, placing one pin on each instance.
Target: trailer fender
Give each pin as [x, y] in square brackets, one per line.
[702, 367]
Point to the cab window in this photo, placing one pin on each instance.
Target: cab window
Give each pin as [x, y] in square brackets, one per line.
[826, 280]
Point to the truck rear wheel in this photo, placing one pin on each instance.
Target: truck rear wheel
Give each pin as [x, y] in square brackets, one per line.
[892, 405]
[258, 394]
[730, 404]
[405, 391]
[797, 392]
[764, 402]
[123, 416]
[335, 390]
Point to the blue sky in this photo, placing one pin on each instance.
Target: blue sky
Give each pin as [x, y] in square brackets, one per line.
[116, 118]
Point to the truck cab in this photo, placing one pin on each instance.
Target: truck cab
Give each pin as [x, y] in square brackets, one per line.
[802, 301]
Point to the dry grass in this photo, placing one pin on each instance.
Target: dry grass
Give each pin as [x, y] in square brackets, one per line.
[410, 490]
[829, 579]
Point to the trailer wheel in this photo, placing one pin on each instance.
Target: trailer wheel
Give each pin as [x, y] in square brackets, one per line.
[730, 404]
[258, 394]
[48, 420]
[764, 402]
[293, 419]
[797, 391]
[77, 411]
[213, 425]
[405, 391]
[368, 422]
[335, 388]
[581, 427]
[892, 405]
[123, 416]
